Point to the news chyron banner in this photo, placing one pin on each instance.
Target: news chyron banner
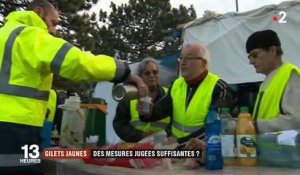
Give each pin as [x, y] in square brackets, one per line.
[145, 153]
[32, 154]
[94, 153]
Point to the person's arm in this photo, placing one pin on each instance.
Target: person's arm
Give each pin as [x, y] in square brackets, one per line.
[290, 105]
[122, 126]
[223, 96]
[51, 54]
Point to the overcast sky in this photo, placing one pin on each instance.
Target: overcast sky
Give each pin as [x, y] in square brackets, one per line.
[220, 6]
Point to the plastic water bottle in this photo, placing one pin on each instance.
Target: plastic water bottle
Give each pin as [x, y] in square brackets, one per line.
[228, 137]
[213, 158]
[46, 134]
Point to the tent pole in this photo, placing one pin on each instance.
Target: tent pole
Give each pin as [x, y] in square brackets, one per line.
[237, 5]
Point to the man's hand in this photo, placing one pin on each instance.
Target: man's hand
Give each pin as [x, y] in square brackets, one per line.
[195, 144]
[141, 86]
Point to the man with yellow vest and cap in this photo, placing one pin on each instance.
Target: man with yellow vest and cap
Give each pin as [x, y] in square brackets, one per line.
[190, 96]
[29, 54]
[277, 105]
[127, 123]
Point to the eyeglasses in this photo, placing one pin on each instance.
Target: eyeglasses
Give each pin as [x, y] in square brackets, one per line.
[148, 73]
[188, 58]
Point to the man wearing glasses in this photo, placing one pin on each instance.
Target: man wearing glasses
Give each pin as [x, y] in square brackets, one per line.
[277, 104]
[190, 96]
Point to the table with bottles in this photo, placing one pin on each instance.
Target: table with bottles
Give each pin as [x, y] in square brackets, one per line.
[240, 148]
[78, 167]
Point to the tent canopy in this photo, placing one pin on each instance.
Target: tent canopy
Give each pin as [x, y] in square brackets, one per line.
[226, 35]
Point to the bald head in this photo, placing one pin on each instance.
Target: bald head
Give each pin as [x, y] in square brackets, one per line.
[47, 12]
[46, 5]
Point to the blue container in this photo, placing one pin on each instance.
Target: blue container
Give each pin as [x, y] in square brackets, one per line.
[46, 134]
[213, 158]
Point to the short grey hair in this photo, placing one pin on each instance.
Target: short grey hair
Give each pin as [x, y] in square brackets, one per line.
[202, 50]
[142, 65]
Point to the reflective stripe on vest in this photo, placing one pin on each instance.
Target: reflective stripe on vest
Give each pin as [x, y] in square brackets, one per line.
[160, 125]
[16, 90]
[22, 91]
[267, 105]
[59, 58]
[190, 119]
[189, 129]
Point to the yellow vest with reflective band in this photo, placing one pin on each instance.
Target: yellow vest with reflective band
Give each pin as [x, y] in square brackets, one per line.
[146, 126]
[186, 121]
[267, 105]
[28, 56]
[52, 104]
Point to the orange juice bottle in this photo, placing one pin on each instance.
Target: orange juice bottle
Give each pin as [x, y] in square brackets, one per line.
[245, 139]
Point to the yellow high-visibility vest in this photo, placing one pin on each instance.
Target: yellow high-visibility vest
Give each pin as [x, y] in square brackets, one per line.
[28, 57]
[186, 121]
[267, 104]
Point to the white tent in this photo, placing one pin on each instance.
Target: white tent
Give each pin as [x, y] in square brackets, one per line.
[226, 35]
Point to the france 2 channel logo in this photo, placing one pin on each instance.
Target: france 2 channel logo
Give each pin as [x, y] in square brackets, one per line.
[280, 18]
[31, 154]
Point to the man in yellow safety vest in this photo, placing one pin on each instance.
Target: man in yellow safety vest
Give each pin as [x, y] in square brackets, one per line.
[29, 54]
[190, 96]
[277, 104]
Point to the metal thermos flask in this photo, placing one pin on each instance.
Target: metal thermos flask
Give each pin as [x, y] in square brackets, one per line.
[124, 91]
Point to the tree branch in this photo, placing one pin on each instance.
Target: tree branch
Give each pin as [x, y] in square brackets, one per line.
[14, 4]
